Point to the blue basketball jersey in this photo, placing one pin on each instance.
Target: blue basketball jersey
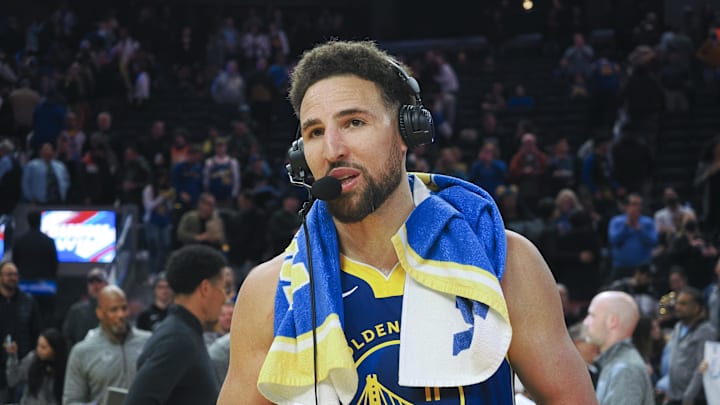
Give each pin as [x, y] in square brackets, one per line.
[373, 305]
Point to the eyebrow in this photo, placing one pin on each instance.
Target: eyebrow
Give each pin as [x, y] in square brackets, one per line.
[339, 114]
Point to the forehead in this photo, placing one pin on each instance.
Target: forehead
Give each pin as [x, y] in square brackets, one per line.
[338, 93]
[9, 269]
[111, 300]
[685, 298]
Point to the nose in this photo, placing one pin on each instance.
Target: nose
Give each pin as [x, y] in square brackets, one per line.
[335, 148]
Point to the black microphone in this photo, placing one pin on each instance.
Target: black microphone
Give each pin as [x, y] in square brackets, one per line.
[327, 188]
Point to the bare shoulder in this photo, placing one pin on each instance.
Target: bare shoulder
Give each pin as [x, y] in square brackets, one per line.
[541, 351]
[251, 333]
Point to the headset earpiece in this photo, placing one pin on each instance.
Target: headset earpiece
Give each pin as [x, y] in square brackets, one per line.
[415, 122]
[297, 166]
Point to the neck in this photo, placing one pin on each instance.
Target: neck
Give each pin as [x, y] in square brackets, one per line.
[368, 241]
[187, 302]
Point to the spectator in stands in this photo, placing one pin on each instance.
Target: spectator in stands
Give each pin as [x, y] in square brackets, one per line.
[155, 147]
[604, 86]
[712, 297]
[669, 219]
[516, 215]
[448, 84]
[246, 249]
[707, 179]
[35, 253]
[202, 225]
[158, 198]
[675, 79]
[20, 320]
[42, 371]
[488, 171]
[106, 356]
[283, 223]
[261, 94]
[597, 177]
[133, 177]
[676, 281]
[588, 350]
[527, 167]
[610, 324]
[74, 136]
[632, 237]
[105, 136]
[562, 167]
[221, 175]
[494, 100]
[633, 164]
[82, 317]
[95, 174]
[228, 88]
[219, 352]
[642, 99]
[180, 148]
[23, 101]
[694, 251]
[158, 309]
[45, 179]
[222, 326]
[176, 347]
[450, 164]
[709, 55]
[566, 202]
[242, 139]
[141, 82]
[579, 88]
[187, 180]
[577, 58]
[10, 177]
[640, 287]
[520, 101]
[688, 346]
[230, 38]
[48, 120]
[576, 257]
[77, 89]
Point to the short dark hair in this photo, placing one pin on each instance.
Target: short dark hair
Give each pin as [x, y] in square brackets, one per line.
[33, 219]
[696, 295]
[188, 266]
[359, 58]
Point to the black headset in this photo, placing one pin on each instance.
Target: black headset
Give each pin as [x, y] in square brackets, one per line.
[415, 123]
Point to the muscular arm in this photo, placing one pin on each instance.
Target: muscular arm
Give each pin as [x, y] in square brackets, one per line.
[251, 335]
[541, 351]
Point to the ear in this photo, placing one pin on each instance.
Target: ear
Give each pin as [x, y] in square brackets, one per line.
[612, 321]
[98, 312]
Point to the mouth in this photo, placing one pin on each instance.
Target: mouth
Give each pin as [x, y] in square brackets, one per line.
[348, 177]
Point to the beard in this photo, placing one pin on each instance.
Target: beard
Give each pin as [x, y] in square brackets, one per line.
[120, 330]
[354, 207]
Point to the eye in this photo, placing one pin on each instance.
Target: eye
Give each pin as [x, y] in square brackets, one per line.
[354, 123]
[315, 132]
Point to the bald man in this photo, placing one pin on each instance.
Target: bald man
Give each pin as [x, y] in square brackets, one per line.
[610, 323]
[108, 354]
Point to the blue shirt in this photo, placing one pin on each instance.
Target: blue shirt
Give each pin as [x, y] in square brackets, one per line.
[34, 180]
[629, 246]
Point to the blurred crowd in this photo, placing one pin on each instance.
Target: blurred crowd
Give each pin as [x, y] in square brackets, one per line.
[593, 206]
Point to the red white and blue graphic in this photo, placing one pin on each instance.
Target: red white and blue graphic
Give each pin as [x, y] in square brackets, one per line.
[2, 240]
[81, 236]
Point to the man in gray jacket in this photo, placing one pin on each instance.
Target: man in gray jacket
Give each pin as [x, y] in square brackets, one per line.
[687, 348]
[611, 320]
[107, 356]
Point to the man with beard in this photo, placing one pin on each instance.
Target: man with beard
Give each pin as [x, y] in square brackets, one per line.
[19, 319]
[107, 355]
[425, 252]
[687, 344]
[174, 367]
